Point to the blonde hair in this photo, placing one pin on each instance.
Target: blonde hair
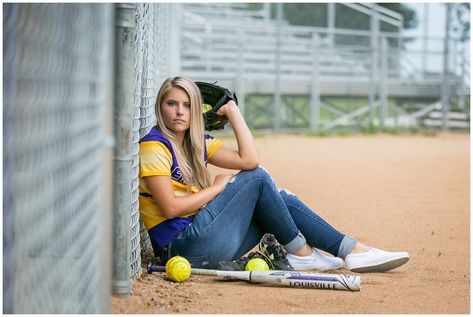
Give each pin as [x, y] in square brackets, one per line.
[190, 154]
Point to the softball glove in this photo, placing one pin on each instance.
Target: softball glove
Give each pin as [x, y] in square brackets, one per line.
[214, 97]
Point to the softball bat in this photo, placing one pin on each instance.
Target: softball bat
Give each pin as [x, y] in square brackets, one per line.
[283, 278]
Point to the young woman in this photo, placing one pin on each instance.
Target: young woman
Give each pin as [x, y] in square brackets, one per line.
[207, 222]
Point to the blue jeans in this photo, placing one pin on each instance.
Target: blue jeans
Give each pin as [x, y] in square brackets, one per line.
[234, 222]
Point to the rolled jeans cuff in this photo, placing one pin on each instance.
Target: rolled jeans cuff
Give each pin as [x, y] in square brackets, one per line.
[347, 244]
[295, 244]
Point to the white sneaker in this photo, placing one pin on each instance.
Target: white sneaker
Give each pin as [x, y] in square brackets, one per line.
[375, 260]
[316, 261]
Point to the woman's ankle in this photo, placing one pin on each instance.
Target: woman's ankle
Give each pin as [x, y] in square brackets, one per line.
[359, 248]
[305, 250]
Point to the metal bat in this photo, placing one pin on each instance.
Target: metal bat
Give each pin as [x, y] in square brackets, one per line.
[283, 278]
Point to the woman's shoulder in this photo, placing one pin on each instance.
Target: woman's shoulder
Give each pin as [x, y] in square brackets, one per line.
[154, 135]
[208, 136]
[155, 139]
[210, 139]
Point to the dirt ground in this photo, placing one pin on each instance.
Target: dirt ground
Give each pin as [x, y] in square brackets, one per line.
[395, 192]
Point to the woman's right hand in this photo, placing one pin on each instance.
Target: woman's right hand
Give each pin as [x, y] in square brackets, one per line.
[221, 181]
[226, 108]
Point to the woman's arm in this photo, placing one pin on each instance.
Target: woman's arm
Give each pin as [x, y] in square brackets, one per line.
[175, 206]
[246, 157]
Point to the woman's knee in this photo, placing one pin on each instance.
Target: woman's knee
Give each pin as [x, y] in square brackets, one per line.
[256, 177]
[286, 193]
[261, 172]
[288, 197]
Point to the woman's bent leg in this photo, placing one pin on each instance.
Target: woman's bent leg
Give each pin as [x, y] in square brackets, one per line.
[317, 231]
[252, 238]
[218, 230]
[323, 236]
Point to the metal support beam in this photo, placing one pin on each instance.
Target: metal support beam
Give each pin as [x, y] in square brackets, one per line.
[446, 77]
[342, 120]
[266, 11]
[315, 89]
[374, 24]
[383, 82]
[124, 76]
[331, 22]
[425, 39]
[461, 96]
[277, 92]
[240, 81]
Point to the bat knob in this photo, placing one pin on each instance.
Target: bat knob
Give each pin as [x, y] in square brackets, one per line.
[150, 264]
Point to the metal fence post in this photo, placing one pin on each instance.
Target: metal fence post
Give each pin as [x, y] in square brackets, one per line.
[266, 11]
[374, 25]
[277, 90]
[315, 91]
[461, 97]
[383, 82]
[240, 81]
[425, 38]
[124, 48]
[331, 23]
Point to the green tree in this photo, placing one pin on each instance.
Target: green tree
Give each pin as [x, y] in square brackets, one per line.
[315, 14]
[305, 14]
[461, 25]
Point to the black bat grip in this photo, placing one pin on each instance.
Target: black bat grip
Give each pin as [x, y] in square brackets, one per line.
[155, 268]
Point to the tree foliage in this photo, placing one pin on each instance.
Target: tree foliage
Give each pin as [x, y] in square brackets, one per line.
[461, 25]
[315, 14]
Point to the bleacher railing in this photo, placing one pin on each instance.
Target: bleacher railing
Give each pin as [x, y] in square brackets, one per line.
[373, 60]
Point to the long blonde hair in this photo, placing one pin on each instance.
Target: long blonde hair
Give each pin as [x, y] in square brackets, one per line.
[190, 154]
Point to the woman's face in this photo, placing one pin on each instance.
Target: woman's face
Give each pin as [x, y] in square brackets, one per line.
[176, 110]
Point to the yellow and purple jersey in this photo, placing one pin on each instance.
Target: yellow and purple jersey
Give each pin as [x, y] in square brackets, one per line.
[157, 157]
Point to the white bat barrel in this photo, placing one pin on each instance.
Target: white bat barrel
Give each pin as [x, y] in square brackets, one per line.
[298, 279]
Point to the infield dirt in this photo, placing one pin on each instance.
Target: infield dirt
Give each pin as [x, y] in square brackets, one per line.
[400, 193]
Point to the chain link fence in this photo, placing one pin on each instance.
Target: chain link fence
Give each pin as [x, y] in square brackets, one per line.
[57, 67]
[56, 79]
[151, 69]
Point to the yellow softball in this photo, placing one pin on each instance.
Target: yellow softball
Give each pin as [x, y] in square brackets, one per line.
[206, 107]
[256, 265]
[178, 269]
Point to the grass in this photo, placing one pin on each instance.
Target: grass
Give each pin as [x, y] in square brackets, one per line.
[295, 110]
[295, 116]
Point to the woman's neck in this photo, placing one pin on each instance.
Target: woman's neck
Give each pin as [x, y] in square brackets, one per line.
[180, 138]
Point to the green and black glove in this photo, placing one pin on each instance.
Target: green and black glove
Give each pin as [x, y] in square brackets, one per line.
[214, 97]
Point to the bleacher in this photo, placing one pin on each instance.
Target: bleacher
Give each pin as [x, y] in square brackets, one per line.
[246, 50]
